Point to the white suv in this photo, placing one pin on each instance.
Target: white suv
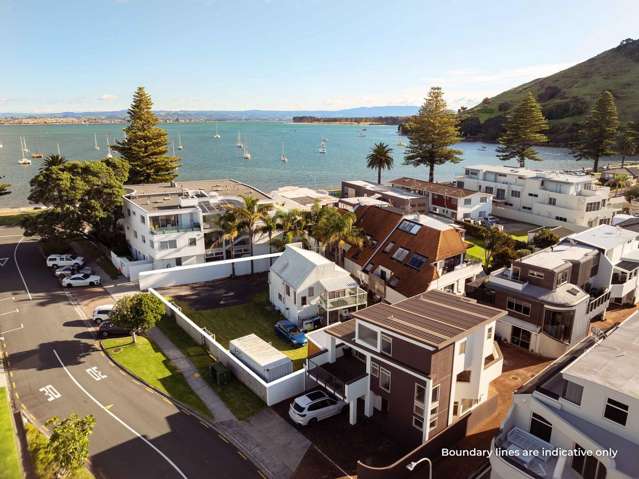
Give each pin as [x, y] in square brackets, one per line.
[57, 260]
[102, 313]
[313, 407]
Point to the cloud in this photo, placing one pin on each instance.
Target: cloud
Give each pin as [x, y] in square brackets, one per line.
[107, 97]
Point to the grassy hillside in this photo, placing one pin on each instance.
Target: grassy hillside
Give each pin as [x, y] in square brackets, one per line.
[566, 97]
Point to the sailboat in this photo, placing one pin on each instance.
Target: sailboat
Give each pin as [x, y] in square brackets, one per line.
[217, 136]
[283, 157]
[173, 148]
[322, 147]
[247, 153]
[180, 147]
[109, 154]
[239, 140]
[95, 141]
[23, 143]
[59, 151]
[24, 160]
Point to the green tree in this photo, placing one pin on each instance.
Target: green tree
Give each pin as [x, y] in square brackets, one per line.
[379, 159]
[496, 243]
[268, 227]
[596, 138]
[5, 188]
[545, 238]
[335, 229]
[229, 225]
[618, 181]
[523, 129]
[249, 216]
[431, 133]
[145, 146]
[626, 145]
[67, 449]
[138, 312]
[632, 193]
[292, 225]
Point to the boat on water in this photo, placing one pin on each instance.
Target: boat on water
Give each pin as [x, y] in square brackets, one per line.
[283, 156]
[24, 162]
[247, 154]
[59, 151]
[109, 155]
[322, 147]
[239, 143]
[217, 136]
[173, 148]
[37, 155]
[180, 146]
[95, 141]
[23, 145]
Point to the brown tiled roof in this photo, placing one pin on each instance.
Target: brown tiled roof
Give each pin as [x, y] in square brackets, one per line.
[377, 223]
[438, 188]
[434, 318]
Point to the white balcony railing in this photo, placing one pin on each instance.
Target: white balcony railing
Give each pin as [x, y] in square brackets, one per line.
[351, 297]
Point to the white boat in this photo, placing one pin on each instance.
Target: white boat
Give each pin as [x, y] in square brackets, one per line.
[23, 145]
[322, 147]
[217, 136]
[239, 143]
[180, 147]
[283, 156]
[247, 153]
[95, 141]
[109, 154]
[24, 161]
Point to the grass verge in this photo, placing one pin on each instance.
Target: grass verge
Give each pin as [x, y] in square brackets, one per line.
[242, 402]
[14, 220]
[146, 361]
[10, 467]
[257, 316]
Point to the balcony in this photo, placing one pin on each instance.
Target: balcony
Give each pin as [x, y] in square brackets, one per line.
[164, 230]
[351, 297]
[505, 277]
[528, 453]
[345, 373]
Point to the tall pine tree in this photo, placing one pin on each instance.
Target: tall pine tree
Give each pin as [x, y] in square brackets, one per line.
[598, 135]
[431, 133]
[146, 145]
[523, 129]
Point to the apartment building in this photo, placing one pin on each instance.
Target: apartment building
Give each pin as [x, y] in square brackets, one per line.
[300, 198]
[175, 224]
[565, 422]
[545, 198]
[419, 365]
[446, 200]
[401, 199]
[407, 254]
[550, 297]
[304, 284]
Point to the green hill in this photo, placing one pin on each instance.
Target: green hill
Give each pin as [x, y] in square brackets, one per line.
[566, 97]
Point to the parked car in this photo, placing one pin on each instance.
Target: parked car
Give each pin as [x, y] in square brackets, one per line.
[290, 332]
[56, 260]
[65, 271]
[109, 330]
[313, 407]
[102, 313]
[81, 280]
[310, 324]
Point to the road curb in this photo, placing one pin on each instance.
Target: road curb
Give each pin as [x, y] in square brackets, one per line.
[206, 422]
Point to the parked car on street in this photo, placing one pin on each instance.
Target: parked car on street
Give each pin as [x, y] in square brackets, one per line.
[313, 407]
[65, 271]
[81, 280]
[102, 313]
[290, 332]
[57, 260]
[109, 330]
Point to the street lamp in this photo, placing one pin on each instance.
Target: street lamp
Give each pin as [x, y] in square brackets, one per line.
[412, 465]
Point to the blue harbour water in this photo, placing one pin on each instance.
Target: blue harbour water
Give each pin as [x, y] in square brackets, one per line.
[206, 157]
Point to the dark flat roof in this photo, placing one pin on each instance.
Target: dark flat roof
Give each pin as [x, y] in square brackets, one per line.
[627, 265]
[434, 317]
[437, 188]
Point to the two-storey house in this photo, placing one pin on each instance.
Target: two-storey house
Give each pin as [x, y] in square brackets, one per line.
[397, 198]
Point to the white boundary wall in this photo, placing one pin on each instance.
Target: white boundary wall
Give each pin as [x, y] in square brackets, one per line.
[130, 269]
[271, 393]
[198, 273]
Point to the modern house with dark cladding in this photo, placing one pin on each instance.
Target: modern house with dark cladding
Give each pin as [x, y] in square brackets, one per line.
[419, 365]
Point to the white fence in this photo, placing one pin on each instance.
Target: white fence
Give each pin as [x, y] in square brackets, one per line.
[198, 273]
[130, 269]
[271, 393]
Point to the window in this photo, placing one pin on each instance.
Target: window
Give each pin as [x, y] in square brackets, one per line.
[168, 244]
[501, 194]
[416, 261]
[418, 401]
[367, 335]
[596, 206]
[434, 411]
[469, 172]
[483, 199]
[468, 201]
[558, 324]
[572, 392]
[135, 234]
[288, 290]
[303, 300]
[151, 244]
[489, 190]
[533, 195]
[540, 427]
[536, 274]
[552, 201]
[400, 254]
[616, 411]
[515, 194]
[418, 423]
[143, 239]
[389, 247]
[192, 241]
[561, 218]
[528, 208]
[410, 227]
[142, 219]
[387, 345]
[513, 304]
[311, 291]
[587, 466]
[462, 347]
[374, 369]
[562, 278]
[434, 395]
[489, 333]
[384, 380]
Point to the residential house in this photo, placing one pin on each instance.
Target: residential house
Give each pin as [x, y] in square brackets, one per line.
[300, 198]
[566, 421]
[545, 198]
[407, 254]
[304, 284]
[175, 224]
[401, 199]
[419, 365]
[630, 173]
[550, 297]
[354, 202]
[447, 200]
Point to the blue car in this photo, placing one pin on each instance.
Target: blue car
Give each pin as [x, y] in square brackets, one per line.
[290, 332]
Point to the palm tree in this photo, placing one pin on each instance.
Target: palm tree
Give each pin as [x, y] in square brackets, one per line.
[269, 226]
[292, 224]
[229, 225]
[380, 159]
[52, 160]
[336, 229]
[249, 215]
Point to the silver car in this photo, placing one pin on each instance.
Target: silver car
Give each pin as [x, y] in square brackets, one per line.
[81, 280]
[65, 271]
[313, 407]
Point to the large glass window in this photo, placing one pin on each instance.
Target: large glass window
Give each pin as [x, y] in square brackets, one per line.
[385, 379]
[418, 403]
[416, 261]
[616, 411]
[587, 466]
[410, 227]
[540, 427]
[367, 335]
[513, 304]
[387, 345]
[400, 254]
[558, 324]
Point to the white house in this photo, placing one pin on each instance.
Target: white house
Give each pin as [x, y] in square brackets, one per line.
[546, 198]
[304, 284]
[579, 418]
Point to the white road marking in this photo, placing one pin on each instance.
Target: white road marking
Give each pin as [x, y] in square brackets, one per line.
[14, 329]
[96, 374]
[10, 312]
[15, 259]
[3, 261]
[129, 428]
[9, 236]
[50, 392]
[8, 298]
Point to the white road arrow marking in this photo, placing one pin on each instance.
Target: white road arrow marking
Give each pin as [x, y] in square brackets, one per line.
[3, 261]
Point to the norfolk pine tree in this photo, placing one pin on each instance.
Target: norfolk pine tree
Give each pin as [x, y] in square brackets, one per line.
[598, 135]
[431, 133]
[523, 129]
[145, 146]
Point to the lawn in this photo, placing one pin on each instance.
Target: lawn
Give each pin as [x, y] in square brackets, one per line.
[477, 250]
[145, 360]
[257, 316]
[10, 467]
[242, 402]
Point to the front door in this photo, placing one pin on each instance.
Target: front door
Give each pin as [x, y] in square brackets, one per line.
[520, 337]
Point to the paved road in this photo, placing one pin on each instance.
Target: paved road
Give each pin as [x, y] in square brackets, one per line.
[57, 369]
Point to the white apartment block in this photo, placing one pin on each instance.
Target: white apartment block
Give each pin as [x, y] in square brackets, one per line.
[579, 418]
[546, 198]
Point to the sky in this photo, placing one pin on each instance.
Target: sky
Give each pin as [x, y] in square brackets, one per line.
[90, 55]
